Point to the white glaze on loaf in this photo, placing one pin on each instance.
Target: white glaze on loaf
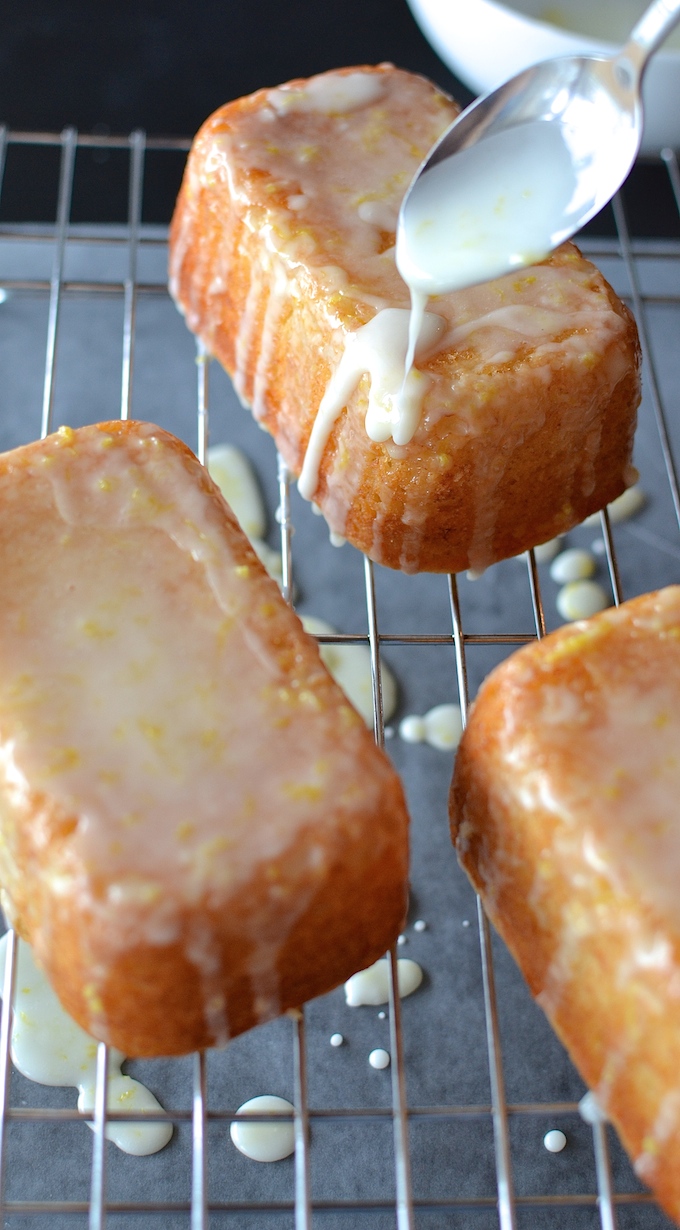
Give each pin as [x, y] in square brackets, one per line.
[565, 812]
[166, 729]
[282, 259]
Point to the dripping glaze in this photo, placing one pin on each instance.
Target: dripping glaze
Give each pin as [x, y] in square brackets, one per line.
[312, 188]
[401, 396]
[50, 1049]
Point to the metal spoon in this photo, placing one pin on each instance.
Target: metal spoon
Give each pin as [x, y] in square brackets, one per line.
[563, 136]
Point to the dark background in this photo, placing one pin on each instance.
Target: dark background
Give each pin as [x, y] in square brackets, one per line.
[164, 67]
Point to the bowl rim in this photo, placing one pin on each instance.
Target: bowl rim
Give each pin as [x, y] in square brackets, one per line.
[563, 35]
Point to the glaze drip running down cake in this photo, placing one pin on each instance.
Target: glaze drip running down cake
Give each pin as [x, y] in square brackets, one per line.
[565, 814]
[517, 419]
[188, 801]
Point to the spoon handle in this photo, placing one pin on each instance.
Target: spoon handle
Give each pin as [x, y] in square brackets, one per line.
[651, 30]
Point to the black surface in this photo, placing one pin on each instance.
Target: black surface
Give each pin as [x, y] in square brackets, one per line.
[166, 66]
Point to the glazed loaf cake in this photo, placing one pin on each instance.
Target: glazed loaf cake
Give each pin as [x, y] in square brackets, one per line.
[282, 261]
[565, 814]
[197, 831]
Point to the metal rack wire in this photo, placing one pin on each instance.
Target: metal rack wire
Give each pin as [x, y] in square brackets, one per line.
[406, 1211]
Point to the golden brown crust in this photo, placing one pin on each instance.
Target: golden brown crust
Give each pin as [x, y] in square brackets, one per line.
[564, 814]
[160, 944]
[152, 996]
[505, 459]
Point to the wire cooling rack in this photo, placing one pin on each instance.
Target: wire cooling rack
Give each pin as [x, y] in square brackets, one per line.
[446, 1161]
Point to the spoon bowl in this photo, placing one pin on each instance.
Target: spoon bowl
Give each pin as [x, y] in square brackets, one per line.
[525, 167]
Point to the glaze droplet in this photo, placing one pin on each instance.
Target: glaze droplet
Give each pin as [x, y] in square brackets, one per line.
[350, 666]
[264, 1142]
[572, 565]
[371, 986]
[235, 477]
[546, 551]
[554, 1140]
[412, 729]
[581, 599]
[590, 1109]
[444, 727]
[441, 727]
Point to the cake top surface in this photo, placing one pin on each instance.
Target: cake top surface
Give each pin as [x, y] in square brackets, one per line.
[153, 683]
[323, 164]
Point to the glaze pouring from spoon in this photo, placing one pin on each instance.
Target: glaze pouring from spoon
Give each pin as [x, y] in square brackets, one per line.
[525, 167]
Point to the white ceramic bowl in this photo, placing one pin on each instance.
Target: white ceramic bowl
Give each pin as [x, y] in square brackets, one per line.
[484, 43]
